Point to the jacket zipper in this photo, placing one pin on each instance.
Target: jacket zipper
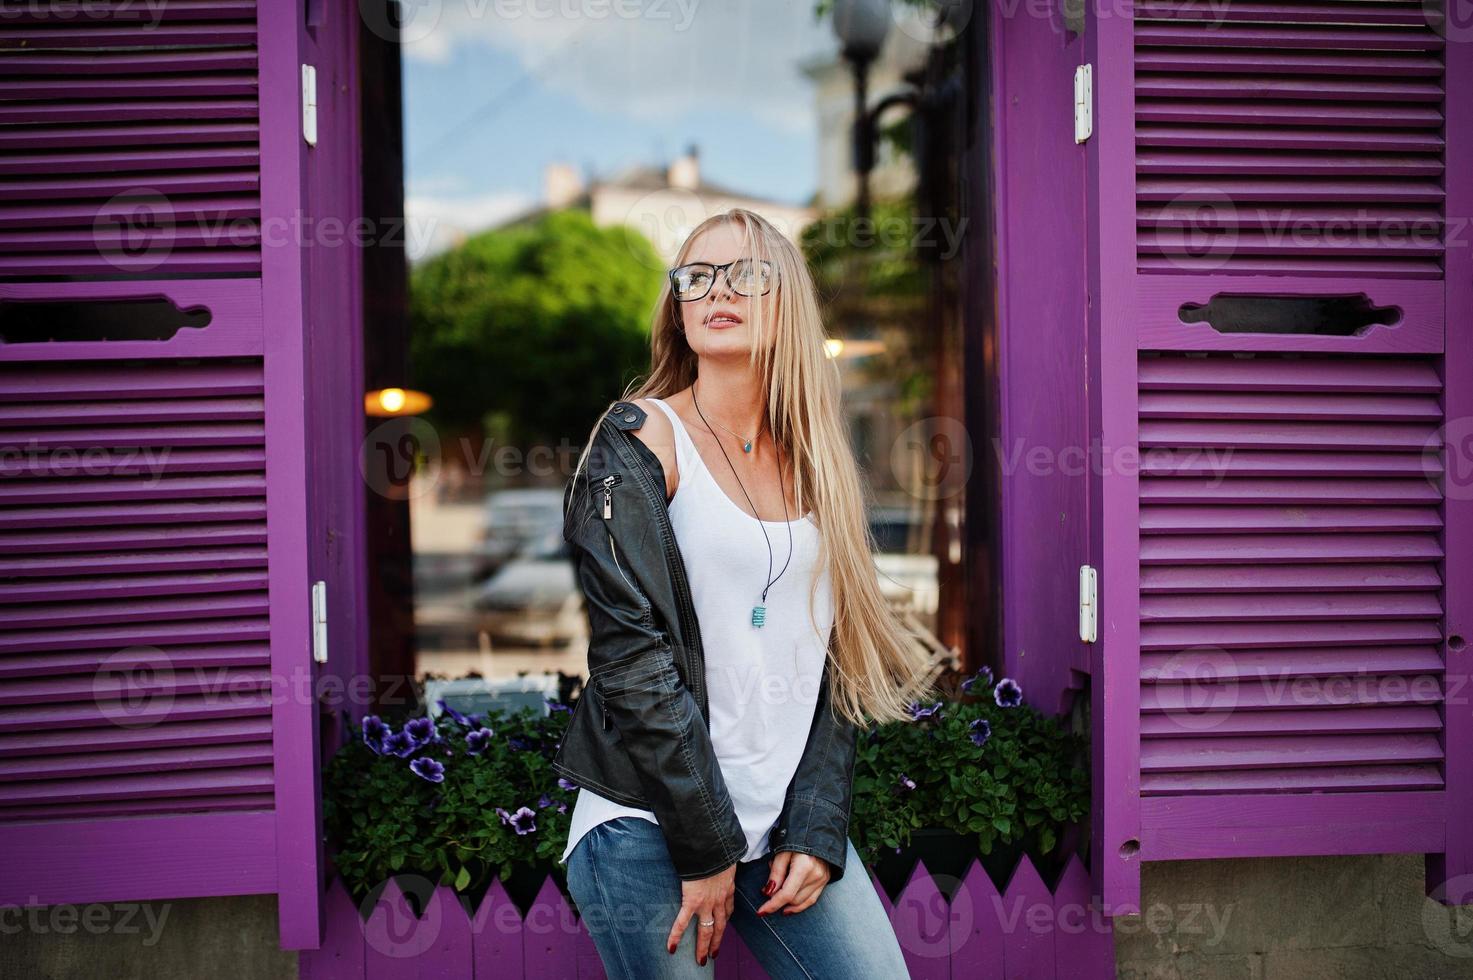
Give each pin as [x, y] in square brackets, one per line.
[685, 605]
[609, 483]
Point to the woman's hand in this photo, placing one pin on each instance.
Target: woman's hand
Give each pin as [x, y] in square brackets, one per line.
[794, 880]
[705, 900]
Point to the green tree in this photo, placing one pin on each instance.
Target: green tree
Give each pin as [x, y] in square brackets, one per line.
[523, 333]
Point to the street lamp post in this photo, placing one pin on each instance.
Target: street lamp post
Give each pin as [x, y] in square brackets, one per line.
[861, 26]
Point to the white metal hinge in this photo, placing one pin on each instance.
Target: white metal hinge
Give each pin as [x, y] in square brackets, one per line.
[309, 104]
[1089, 594]
[319, 622]
[1084, 100]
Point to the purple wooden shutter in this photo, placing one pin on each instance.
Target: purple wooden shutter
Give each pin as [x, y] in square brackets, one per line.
[158, 721]
[1278, 637]
[116, 127]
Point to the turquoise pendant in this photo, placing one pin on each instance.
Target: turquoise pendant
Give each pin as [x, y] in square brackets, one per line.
[747, 446]
[759, 616]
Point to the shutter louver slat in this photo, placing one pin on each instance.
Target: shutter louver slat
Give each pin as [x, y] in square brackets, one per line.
[135, 652]
[1290, 601]
[1342, 779]
[164, 712]
[1289, 139]
[83, 661]
[193, 733]
[1342, 721]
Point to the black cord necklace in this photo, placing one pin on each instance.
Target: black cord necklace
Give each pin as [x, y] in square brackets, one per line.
[759, 611]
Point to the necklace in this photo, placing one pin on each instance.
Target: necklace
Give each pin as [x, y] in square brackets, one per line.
[759, 611]
[746, 443]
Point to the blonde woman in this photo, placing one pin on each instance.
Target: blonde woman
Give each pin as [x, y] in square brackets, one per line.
[738, 637]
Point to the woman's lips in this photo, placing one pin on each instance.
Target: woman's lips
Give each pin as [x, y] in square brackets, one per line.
[720, 320]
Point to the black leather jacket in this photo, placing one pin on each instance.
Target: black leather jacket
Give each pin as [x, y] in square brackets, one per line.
[640, 734]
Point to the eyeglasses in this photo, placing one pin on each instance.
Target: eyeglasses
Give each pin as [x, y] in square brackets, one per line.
[746, 277]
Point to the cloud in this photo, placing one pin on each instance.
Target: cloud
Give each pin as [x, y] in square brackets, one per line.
[646, 60]
[435, 222]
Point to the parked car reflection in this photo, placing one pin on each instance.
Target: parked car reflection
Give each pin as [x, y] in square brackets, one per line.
[513, 519]
[534, 597]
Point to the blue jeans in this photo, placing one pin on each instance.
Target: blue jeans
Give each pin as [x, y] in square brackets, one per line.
[629, 895]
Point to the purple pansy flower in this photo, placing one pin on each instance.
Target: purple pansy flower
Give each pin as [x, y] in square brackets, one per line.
[564, 784]
[428, 769]
[400, 744]
[374, 732]
[981, 730]
[476, 741]
[518, 744]
[422, 730]
[906, 782]
[456, 715]
[1008, 693]
[562, 808]
[544, 801]
[553, 704]
[917, 712]
[983, 676]
[523, 821]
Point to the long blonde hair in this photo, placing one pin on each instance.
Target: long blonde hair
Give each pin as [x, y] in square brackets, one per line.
[878, 667]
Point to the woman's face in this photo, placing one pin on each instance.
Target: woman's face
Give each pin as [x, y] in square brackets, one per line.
[721, 323]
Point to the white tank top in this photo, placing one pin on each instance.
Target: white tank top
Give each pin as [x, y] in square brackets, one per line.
[762, 683]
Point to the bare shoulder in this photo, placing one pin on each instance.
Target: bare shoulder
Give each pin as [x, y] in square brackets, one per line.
[659, 435]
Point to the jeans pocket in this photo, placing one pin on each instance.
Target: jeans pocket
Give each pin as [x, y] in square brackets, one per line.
[623, 827]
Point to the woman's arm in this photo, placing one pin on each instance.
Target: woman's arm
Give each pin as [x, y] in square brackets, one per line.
[632, 672]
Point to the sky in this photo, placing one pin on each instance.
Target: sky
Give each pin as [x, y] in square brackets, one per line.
[495, 89]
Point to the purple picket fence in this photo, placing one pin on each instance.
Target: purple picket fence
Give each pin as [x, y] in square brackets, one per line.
[1024, 932]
